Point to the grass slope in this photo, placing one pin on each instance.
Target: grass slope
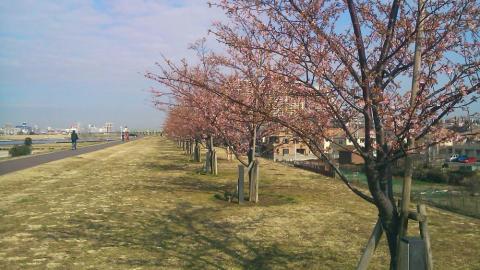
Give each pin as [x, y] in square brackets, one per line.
[143, 205]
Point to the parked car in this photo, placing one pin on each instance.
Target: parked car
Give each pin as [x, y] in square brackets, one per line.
[453, 158]
[469, 160]
[457, 158]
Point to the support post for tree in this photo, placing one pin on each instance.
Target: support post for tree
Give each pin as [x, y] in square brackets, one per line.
[253, 185]
[256, 173]
[407, 181]
[208, 161]
[250, 181]
[251, 169]
[371, 246]
[425, 235]
[240, 183]
[214, 163]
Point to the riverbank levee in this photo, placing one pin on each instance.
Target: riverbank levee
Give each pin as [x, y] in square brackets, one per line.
[144, 205]
[42, 144]
[24, 162]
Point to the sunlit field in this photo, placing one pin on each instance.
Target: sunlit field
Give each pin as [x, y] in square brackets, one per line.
[144, 205]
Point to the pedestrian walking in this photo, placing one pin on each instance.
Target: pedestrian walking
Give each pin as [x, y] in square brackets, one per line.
[74, 138]
[126, 134]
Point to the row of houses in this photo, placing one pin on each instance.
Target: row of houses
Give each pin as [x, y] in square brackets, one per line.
[284, 146]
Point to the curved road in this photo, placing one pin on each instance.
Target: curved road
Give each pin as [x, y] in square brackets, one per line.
[28, 162]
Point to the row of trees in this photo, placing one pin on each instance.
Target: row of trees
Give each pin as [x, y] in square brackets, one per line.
[390, 70]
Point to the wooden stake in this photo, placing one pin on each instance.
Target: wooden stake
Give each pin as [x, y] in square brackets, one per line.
[253, 186]
[407, 181]
[425, 235]
[371, 246]
[240, 183]
[215, 164]
[257, 178]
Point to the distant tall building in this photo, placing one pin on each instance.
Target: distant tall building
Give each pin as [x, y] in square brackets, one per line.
[108, 127]
[92, 128]
[24, 128]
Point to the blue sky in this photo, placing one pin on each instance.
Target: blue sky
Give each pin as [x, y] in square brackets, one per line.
[63, 62]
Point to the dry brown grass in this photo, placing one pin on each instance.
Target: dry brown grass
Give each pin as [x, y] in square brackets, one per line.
[144, 205]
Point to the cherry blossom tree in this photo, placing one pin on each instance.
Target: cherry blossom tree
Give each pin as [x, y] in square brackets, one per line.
[226, 92]
[352, 61]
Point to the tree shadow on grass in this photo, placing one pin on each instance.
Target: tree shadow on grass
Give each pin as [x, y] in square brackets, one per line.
[207, 242]
[219, 190]
[166, 167]
[188, 237]
[191, 184]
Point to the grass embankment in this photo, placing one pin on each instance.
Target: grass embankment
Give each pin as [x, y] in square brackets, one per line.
[143, 205]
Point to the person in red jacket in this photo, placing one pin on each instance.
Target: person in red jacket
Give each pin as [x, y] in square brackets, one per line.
[125, 134]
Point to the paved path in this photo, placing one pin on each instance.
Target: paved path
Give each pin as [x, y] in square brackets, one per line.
[28, 162]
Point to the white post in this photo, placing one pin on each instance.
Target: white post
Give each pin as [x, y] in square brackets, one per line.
[294, 150]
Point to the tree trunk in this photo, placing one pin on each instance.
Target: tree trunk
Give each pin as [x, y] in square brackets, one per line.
[208, 161]
[210, 156]
[196, 152]
[379, 186]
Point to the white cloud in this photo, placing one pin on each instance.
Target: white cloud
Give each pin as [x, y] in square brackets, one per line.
[80, 41]
[62, 47]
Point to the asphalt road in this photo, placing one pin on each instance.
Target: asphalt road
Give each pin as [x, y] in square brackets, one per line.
[28, 162]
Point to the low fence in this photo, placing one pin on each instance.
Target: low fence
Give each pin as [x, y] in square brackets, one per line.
[454, 199]
[461, 202]
[312, 165]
